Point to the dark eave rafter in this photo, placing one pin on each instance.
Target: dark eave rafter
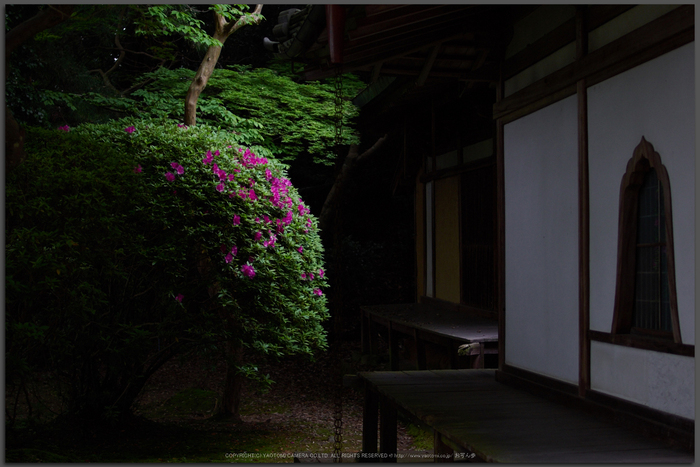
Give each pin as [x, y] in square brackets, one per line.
[400, 38]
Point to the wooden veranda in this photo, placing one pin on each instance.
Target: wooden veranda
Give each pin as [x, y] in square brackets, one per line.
[474, 417]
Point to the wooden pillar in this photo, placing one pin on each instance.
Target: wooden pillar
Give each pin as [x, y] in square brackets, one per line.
[500, 233]
[387, 427]
[583, 211]
[441, 451]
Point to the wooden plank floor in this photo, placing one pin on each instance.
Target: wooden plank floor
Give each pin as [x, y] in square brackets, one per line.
[503, 424]
[446, 323]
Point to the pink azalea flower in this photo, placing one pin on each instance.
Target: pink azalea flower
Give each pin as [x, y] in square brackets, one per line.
[181, 126]
[64, 128]
[138, 169]
[179, 297]
[229, 258]
[216, 153]
[230, 177]
[252, 195]
[208, 158]
[300, 249]
[170, 176]
[234, 250]
[268, 174]
[311, 276]
[178, 168]
[303, 276]
[320, 272]
[248, 271]
[220, 187]
[236, 219]
[318, 292]
[130, 129]
[258, 235]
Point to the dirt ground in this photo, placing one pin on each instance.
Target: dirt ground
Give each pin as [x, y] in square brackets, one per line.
[304, 395]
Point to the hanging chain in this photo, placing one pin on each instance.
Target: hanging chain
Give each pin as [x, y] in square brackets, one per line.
[338, 412]
[338, 109]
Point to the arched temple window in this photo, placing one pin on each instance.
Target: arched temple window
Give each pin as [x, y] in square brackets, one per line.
[645, 294]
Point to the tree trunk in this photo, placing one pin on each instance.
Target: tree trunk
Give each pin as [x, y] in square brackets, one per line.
[231, 403]
[45, 19]
[14, 142]
[14, 135]
[206, 68]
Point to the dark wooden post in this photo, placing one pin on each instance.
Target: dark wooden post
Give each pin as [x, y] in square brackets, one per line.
[441, 451]
[370, 418]
[387, 427]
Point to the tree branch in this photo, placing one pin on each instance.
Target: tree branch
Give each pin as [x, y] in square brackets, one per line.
[28, 29]
[230, 28]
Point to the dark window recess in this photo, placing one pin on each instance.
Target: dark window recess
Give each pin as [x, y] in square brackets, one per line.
[478, 207]
[652, 308]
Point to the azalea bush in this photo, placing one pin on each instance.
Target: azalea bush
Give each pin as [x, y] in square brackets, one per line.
[128, 242]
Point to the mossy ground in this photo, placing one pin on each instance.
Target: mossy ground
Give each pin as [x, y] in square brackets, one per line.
[176, 422]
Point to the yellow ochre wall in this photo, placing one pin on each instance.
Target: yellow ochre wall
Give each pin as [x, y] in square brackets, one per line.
[447, 239]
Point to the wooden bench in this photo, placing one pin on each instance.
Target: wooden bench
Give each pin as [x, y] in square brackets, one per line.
[426, 323]
[475, 417]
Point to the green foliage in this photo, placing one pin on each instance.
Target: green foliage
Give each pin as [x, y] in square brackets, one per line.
[181, 20]
[113, 258]
[285, 119]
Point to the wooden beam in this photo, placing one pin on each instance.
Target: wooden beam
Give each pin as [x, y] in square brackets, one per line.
[630, 340]
[429, 61]
[558, 38]
[645, 43]
[413, 14]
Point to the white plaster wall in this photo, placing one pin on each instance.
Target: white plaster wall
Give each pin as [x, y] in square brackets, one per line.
[657, 380]
[655, 100]
[541, 209]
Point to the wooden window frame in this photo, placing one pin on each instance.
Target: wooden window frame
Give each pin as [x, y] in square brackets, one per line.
[643, 159]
